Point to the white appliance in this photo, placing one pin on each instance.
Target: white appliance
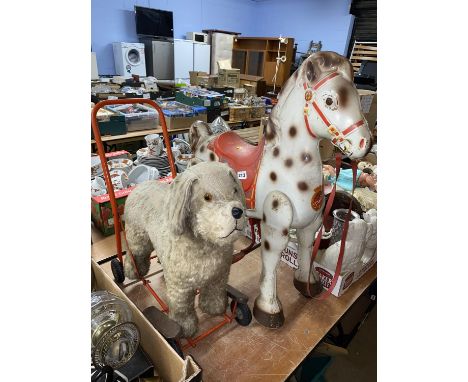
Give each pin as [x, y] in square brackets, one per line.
[190, 56]
[94, 68]
[159, 55]
[201, 57]
[197, 37]
[129, 58]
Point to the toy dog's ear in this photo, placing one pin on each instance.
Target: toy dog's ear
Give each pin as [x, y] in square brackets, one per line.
[179, 208]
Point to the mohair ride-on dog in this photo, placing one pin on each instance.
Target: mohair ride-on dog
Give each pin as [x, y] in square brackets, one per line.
[282, 176]
[192, 223]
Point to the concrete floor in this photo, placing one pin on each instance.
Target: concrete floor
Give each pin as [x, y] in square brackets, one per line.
[360, 365]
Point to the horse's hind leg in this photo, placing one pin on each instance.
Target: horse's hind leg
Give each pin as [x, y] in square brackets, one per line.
[277, 218]
[305, 238]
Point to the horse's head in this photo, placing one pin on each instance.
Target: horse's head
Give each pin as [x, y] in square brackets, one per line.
[332, 106]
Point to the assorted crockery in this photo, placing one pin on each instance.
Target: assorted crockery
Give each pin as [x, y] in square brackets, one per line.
[143, 152]
[154, 143]
[96, 167]
[141, 174]
[119, 179]
[98, 186]
[182, 162]
[120, 164]
[175, 152]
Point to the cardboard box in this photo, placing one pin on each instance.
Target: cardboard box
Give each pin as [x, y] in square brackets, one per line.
[255, 85]
[167, 363]
[110, 123]
[174, 123]
[369, 106]
[101, 209]
[345, 280]
[229, 77]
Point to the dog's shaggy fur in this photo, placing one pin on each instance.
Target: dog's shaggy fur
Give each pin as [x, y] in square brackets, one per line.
[191, 225]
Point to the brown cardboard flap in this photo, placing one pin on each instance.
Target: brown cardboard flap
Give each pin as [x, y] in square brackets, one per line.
[166, 361]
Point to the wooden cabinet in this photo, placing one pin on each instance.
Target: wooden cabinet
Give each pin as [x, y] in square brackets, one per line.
[256, 56]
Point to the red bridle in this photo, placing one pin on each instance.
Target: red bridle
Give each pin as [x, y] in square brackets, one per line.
[336, 135]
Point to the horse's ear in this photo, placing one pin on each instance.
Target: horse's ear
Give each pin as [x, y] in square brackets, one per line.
[198, 130]
[325, 62]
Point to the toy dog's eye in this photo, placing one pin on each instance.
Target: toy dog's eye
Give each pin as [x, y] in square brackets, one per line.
[235, 190]
[208, 197]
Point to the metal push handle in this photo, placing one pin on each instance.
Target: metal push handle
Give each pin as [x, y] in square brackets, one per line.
[102, 156]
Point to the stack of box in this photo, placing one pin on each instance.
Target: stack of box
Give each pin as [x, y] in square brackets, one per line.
[203, 79]
[229, 77]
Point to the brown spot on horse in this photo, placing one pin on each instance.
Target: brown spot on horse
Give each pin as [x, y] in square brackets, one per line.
[273, 176]
[276, 151]
[302, 186]
[212, 157]
[343, 96]
[292, 131]
[267, 245]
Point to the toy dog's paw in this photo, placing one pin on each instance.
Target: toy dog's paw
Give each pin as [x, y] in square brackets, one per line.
[189, 326]
[213, 305]
[143, 265]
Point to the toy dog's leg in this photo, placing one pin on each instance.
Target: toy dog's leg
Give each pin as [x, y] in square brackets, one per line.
[181, 307]
[140, 245]
[277, 218]
[305, 238]
[213, 297]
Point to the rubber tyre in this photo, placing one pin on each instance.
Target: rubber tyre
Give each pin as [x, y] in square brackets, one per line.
[243, 313]
[117, 271]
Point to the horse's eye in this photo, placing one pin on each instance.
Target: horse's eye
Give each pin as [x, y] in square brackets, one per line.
[208, 197]
[329, 101]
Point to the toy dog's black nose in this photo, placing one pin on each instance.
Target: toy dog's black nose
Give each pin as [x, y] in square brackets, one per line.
[237, 212]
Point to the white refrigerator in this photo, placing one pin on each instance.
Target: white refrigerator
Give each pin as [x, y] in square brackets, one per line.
[190, 56]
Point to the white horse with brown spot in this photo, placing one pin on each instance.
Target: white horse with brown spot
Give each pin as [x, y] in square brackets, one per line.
[282, 176]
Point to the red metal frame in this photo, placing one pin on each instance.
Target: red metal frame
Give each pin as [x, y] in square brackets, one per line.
[118, 227]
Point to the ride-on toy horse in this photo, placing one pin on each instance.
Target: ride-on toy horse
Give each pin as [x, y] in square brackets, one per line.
[282, 176]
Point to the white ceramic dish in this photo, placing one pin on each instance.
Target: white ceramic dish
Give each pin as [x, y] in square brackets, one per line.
[96, 167]
[98, 186]
[119, 179]
[142, 173]
[120, 164]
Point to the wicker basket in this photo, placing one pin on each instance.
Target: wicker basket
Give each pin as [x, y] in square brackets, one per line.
[257, 112]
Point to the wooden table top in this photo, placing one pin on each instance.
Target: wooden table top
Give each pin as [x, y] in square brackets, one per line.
[140, 134]
[252, 353]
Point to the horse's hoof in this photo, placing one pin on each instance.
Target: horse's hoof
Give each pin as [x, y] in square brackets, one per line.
[269, 320]
[301, 286]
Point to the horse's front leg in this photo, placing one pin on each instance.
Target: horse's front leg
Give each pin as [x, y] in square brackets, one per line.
[277, 218]
[305, 240]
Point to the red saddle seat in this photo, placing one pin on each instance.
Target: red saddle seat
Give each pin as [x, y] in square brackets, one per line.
[241, 156]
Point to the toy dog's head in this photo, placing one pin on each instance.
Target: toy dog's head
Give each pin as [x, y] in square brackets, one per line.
[207, 200]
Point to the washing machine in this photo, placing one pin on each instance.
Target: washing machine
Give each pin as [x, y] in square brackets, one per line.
[129, 58]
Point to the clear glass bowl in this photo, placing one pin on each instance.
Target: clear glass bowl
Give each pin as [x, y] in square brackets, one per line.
[114, 339]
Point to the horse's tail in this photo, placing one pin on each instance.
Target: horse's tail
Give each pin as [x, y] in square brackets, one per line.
[199, 130]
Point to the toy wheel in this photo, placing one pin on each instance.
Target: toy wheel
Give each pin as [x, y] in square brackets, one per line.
[243, 313]
[117, 271]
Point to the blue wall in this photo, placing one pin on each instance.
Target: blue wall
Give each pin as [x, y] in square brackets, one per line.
[328, 21]
[113, 20]
[305, 20]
